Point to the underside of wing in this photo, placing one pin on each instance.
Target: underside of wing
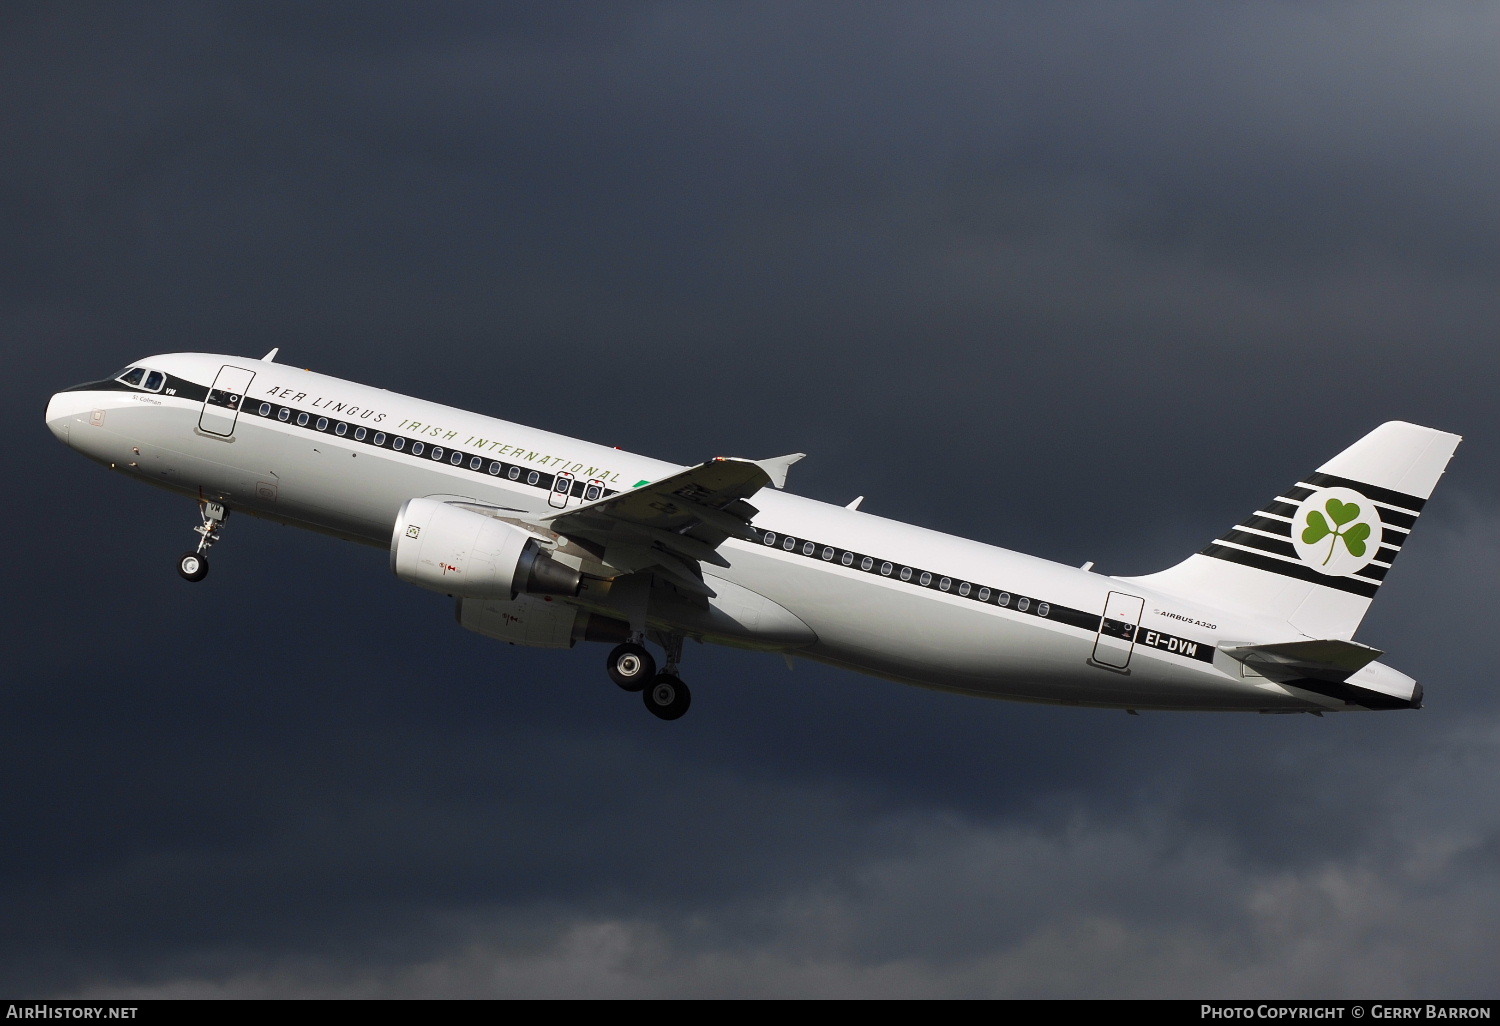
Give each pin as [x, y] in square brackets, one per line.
[673, 525]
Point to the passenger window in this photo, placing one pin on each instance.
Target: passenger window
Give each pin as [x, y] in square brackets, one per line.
[437, 452]
[770, 538]
[513, 473]
[789, 543]
[944, 584]
[984, 594]
[417, 447]
[342, 429]
[561, 485]
[322, 424]
[398, 443]
[591, 493]
[925, 579]
[283, 414]
[533, 477]
[827, 552]
[359, 434]
[265, 409]
[476, 463]
[885, 569]
[906, 573]
[963, 589]
[808, 549]
[379, 437]
[494, 469]
[302, 419]
[1003, 598]
[1023, 604]
[847, 559]
[1042, 609]
[866, 563]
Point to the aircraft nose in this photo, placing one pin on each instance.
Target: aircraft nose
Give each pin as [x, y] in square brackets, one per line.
[60, 413]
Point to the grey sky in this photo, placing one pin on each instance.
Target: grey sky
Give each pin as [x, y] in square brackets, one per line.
[1126, 268]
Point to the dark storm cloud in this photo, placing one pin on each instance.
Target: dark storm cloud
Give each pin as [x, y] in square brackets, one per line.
[1130, 268]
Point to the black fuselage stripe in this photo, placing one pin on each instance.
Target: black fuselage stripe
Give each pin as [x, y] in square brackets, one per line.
[1093, 623]
[911, 576]
[421, 450]
[178, 388]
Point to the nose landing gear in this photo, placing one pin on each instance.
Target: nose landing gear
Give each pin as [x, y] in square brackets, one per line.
[193, 566]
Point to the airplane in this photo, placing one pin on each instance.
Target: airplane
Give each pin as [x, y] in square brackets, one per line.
[546, 541]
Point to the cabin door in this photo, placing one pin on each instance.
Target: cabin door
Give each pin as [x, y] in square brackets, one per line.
[1117, 629]
[222, 406]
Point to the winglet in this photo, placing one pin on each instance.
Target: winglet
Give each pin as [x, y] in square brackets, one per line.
[776, 468]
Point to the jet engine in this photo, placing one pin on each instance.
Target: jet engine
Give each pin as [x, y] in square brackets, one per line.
[456, 551]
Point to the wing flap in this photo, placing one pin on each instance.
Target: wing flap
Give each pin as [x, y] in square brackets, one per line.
[676, 523]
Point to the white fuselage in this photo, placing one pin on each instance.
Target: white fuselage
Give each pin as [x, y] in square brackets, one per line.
[931, 609]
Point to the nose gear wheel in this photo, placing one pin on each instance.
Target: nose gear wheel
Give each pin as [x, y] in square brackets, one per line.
[193, 566]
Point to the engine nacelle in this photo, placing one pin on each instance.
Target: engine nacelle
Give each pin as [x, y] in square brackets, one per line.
[456, 551]
[523, 620]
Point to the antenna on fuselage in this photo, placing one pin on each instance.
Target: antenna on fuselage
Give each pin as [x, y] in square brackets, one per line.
[271, 356]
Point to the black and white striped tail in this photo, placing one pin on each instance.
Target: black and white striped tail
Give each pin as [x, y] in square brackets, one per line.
[1316, 554]
[1264, 540]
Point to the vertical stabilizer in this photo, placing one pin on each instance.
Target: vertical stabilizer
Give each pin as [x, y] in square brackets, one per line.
[1317, 553]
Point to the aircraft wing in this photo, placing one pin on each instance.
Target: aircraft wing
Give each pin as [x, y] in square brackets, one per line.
[672, 525]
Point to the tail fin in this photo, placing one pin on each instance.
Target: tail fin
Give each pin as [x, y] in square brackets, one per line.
[1317, 553]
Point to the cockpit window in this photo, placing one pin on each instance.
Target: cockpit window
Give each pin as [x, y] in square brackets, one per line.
[140, 377]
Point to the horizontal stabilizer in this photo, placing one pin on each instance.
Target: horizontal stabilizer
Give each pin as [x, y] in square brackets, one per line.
[1329, 659]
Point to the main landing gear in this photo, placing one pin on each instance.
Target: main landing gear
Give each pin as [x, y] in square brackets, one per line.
[634, 669]
[193, 566]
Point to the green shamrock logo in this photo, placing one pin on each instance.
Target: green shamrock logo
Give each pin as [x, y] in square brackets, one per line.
[1340, 513]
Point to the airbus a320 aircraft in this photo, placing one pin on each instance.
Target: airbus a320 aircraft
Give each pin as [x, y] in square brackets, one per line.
[545, 540]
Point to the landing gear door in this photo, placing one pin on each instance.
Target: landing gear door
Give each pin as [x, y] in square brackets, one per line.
[222, 407]
[1117, 629]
